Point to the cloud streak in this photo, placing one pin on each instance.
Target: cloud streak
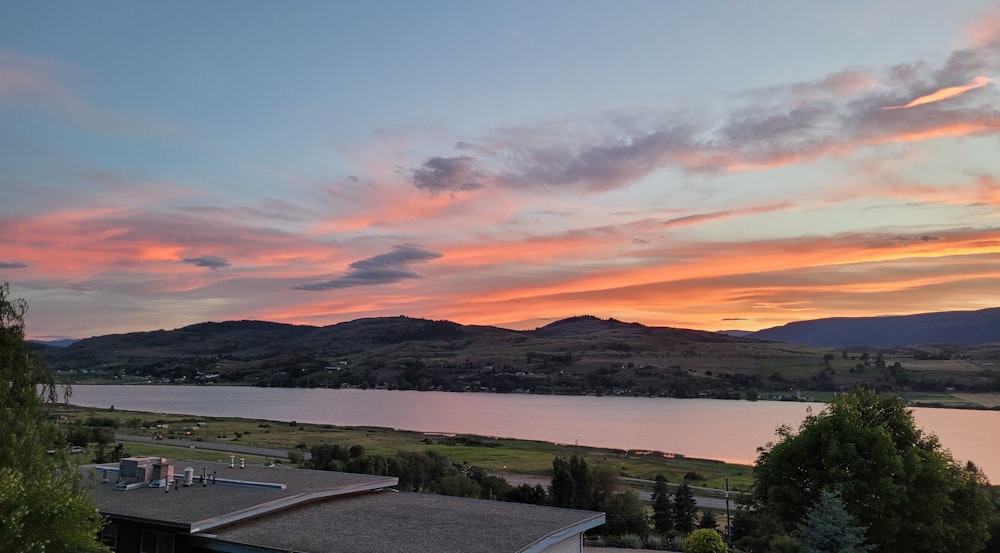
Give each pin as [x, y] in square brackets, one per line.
[831, 117]
[207, 261]
[945, 93]
[386, 268]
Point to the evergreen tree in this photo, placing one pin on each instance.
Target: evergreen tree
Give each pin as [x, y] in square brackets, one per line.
[42, 505]
[708, 521]
[663, 520]
[685, 509]
[829, 528]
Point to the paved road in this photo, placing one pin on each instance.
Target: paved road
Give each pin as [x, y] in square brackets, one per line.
[211, 446]
[706, 498]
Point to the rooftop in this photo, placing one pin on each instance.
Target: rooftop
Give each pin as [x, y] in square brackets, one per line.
[283, 509]
[236, 494]
[397, 522]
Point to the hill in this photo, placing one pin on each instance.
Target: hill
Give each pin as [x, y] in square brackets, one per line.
[579, 355]
[967, 328]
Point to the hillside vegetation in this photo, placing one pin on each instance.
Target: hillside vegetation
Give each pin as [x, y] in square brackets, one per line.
[580, 355]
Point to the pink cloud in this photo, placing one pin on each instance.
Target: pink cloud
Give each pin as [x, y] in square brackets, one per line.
[945, 93]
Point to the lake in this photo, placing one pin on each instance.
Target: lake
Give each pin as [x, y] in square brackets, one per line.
[704, 428]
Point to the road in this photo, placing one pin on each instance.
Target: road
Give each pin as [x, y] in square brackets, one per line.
[706, 498]
[210, 446]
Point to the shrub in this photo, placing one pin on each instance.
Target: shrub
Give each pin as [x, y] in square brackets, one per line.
[630, 541]
[704, 541]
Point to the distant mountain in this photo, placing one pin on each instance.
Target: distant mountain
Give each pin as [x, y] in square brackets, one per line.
[951, 327]
[56, 343]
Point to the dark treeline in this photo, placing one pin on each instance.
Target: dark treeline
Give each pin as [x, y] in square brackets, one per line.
[574, 485]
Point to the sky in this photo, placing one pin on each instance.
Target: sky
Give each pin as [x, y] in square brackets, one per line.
[733, 165]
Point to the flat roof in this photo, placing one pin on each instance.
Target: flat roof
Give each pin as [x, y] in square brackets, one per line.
[320, 511]
[389, 521]
[235, 495]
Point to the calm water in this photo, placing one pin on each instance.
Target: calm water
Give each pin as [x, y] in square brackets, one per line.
[712, 429]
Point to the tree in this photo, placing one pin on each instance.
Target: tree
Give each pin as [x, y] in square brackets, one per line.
[708, 521]
[663, 520]
[572, 483]
[42, 505]
[704, 540]
[625, 514]
[685, 509]
[890, 477]
[563, 488]
[829, 528]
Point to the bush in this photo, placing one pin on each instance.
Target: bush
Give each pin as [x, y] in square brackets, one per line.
[654, 542]
[630, 541]
[704, 541]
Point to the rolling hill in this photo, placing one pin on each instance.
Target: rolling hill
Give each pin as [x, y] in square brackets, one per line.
[579, 355]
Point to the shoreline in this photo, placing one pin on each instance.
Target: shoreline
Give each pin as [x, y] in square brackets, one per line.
[962, 401]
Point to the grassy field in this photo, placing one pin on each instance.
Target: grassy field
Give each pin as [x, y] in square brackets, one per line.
[503, 456]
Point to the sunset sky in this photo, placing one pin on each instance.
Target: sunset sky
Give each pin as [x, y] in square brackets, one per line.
[692, 164]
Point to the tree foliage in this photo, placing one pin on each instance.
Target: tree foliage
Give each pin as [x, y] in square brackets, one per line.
[663, 520]
[891, 477]
[829, 528]
[42, 505]
[704, 540]
[685, 509]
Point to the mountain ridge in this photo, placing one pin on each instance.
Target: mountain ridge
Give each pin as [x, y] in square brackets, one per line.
[577, 355]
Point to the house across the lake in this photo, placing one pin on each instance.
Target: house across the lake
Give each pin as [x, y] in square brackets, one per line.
[155, 506]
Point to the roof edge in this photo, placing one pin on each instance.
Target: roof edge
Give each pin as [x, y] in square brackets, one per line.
[288, 502]
[561, 534]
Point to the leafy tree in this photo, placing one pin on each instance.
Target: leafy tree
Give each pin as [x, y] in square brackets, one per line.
[458, 485]
[572, 483]
[625, 514]
[42, 505]
[583, 479]
[606, 484]
[890, 476]
[526, 493]
[563, 488]
[685, 509]
[663, 520]
[704, 540]
[828, 528]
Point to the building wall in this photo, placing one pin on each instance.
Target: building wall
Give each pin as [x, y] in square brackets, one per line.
[159, 539]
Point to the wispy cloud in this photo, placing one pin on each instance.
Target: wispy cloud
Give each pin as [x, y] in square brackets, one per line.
[945, 93]
[441, 174]
[207, 261]
[798, 123]
[38, 83]
[385, 268]
[12, 265]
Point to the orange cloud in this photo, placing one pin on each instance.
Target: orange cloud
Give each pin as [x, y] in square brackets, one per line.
[945, 93]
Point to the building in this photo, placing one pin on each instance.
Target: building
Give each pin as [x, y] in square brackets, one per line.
[192, 506]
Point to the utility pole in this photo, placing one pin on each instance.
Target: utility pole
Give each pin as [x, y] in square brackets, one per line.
[729, 533]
